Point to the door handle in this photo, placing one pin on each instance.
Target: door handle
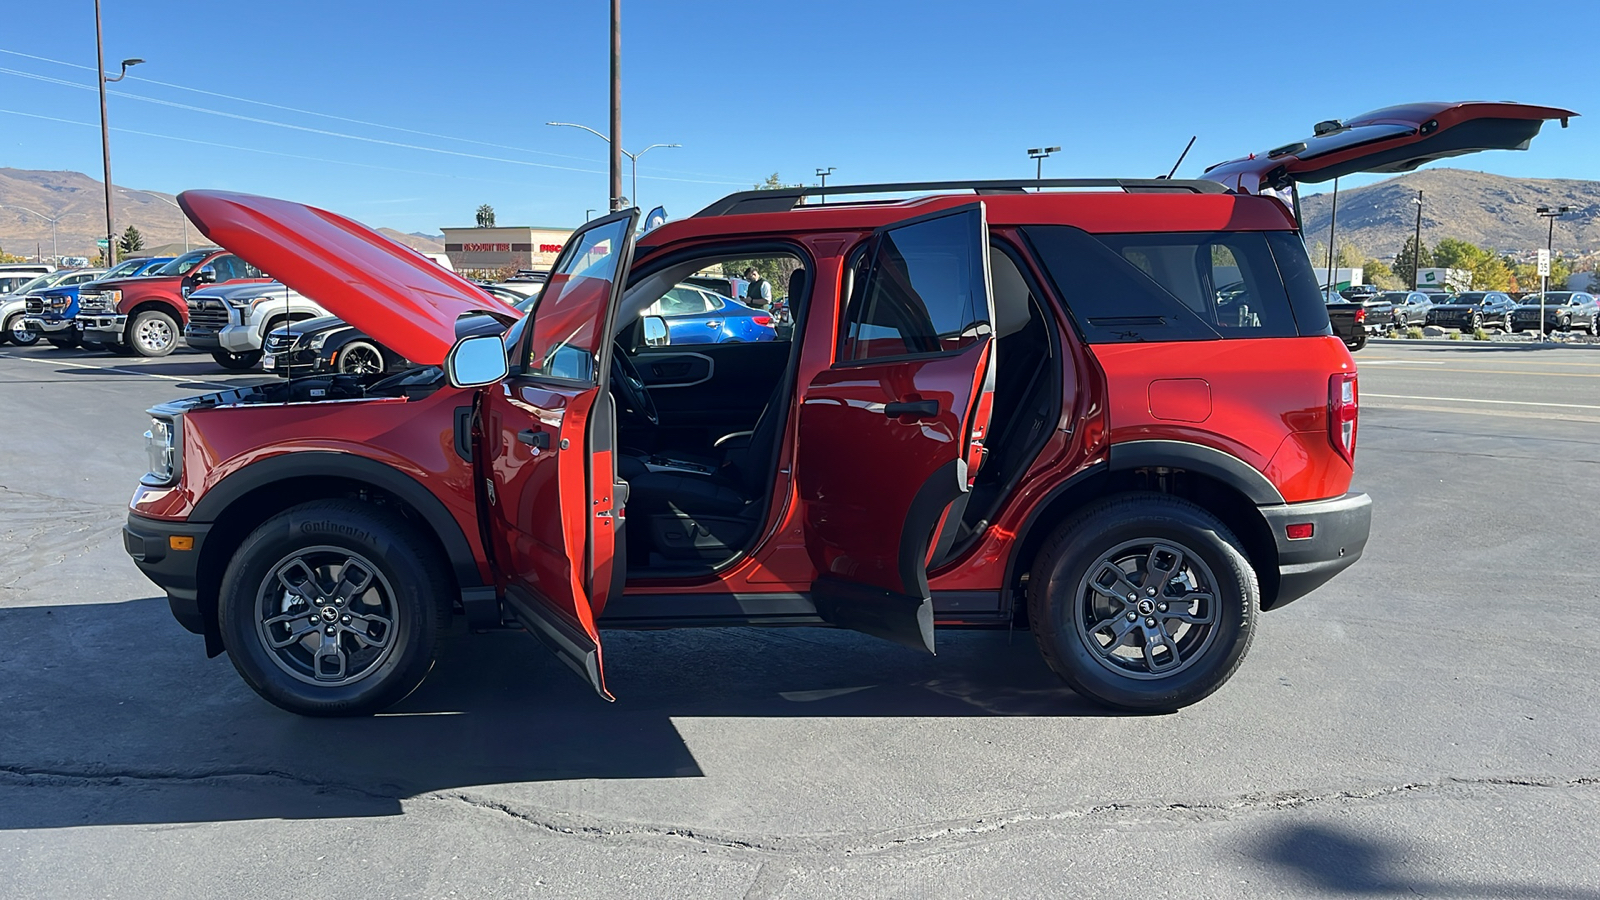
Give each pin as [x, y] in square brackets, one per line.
[539, 440]
[916, 409]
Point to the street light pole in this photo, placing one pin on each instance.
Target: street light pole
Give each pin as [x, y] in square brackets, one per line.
[823, 174]
[616, 150]
[1333, 221]
[181, 217]
[1416, 248]
[1551, 214]
[55, 251]
[105, 127]
[616, 106]
[1039, 155]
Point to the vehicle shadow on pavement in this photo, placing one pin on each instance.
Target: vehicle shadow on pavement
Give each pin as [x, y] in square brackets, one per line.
[1333, 861]
[110, 714]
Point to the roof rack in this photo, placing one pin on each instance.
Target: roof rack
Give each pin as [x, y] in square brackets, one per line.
[785, 199]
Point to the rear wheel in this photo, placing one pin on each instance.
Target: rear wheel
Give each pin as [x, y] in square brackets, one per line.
[236, 362]
[19, 335]
[1593, 327]
[1507, 328]
[333, 608]
[1357, 342]
[153, 333]
[1143, 602]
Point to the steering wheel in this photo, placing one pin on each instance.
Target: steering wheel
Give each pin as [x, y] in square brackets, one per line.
[630, 388]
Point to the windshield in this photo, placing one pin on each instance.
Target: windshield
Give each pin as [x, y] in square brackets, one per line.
[183, 264]
[43, 281]
[1549, 299]
[126, 267]
[1395, 296]
[1473, 297]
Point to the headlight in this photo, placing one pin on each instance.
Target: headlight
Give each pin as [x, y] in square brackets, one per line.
[239, 302]
[161, 444]
[318, 339]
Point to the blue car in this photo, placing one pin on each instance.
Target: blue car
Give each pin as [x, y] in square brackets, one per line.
[50, 313]
[696, 315]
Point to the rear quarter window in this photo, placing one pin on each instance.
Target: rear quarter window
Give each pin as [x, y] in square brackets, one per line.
[1187, 286]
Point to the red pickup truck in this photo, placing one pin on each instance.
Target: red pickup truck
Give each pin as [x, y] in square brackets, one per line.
[147, 314]
[1115, 416]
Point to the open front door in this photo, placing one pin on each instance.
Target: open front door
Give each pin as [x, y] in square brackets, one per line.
[556, 507]
[892, 433]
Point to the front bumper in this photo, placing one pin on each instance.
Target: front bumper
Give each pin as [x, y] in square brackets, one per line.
[103, 328]
[1339, 534]
[41, 325]
[303, 362]
[149, 542]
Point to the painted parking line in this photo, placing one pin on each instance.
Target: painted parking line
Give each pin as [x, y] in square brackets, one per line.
[1479, 400]
[1388, 361]
[72, 365]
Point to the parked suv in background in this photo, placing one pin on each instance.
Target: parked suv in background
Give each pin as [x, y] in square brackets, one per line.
[14, 306]
[232, 321]
[1473, 310]
[147, 314]
[999, 407]
[1410, 307]
[1563, 311]
[53, 312]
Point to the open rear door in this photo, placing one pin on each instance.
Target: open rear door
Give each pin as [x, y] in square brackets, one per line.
[892, 433]
[1394, 139]
[556, 507]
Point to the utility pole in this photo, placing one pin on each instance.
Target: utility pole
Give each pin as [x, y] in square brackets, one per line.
[1416, 248]
[1333, 220]
[105, 126]
[616, 105]
[1551, 215]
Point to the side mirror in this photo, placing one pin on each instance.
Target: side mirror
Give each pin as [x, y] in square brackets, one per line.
[476, 360]
[206, 275]
[655, 332]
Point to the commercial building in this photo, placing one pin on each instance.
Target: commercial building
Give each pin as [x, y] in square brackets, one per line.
[517, 247]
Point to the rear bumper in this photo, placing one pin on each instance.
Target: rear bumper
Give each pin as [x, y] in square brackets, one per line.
[1339, 534]
[148, 541]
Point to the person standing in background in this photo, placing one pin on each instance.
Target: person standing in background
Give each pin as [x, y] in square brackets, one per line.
[758, 293]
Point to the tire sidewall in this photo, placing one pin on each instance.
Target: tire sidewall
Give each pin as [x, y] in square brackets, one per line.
[132, 340]
[1237, 602]
[32, 337]
[388, 545]
[362, 345]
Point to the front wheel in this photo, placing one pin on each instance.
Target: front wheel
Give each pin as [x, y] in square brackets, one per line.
[1593, 327]
[1143, 602]
[18, 334]
[333, 608]
[1474, 324]
[360, 358]
[236, 362]
[153, 333]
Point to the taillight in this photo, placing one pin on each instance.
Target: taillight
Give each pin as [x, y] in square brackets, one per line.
[1361, 315]
[762, 320]
[1343, 408]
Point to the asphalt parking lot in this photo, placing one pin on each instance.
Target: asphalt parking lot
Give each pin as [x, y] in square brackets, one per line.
[1425, 725]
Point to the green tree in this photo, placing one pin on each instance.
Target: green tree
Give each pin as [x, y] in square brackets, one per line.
[1493, 274]
[11, 258]
[1377, 272]
[1408, 260]
[486, 216]
[130, 241]
[1527, 275]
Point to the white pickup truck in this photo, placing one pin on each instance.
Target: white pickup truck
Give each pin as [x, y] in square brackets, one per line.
[233, 321]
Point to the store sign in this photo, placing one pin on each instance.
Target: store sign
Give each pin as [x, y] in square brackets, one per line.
[486, 248]
[550, 248]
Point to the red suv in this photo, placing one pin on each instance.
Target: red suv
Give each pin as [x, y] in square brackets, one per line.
[1116, 416]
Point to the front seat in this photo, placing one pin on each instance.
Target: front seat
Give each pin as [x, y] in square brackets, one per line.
[690, 515]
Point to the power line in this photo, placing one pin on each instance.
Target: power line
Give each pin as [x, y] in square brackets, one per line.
[336, 118]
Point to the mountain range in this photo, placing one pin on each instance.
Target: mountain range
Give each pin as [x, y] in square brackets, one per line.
[77, 203]
[1492, 211]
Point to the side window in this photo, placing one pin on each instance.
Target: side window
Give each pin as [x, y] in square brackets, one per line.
[567, 330]
[681, 301]
[226, 266]
[919, 288]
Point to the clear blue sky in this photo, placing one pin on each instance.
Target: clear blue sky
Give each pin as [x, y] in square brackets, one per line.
[881, 89]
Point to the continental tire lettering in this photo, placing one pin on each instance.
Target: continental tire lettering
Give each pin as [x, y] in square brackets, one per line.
[336, 528]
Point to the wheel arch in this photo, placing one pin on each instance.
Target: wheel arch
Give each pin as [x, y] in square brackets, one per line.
[240, 502]
[1218, 489]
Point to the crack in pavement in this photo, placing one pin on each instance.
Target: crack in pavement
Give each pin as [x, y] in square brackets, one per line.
[932, 835]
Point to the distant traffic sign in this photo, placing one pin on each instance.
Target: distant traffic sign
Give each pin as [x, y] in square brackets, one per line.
[102, 243]
[1544, 263]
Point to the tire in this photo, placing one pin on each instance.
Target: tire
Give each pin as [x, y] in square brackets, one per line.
[64, 343]
[152, 334]
[1067, 614]
[18, 335]
[236, 362]
[405, 600]
[1356, 343]
[1473, 324]
[1593, 328]
[1506, 326]
[361, 358]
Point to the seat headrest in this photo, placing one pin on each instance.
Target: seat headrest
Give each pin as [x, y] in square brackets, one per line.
[797, 286]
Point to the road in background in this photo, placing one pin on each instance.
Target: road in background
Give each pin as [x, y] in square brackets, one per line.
[1425, 724]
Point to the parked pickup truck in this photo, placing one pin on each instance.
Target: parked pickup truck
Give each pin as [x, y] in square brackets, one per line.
[231, 321]
[52, 313]
[1349, 321]
[147, 314]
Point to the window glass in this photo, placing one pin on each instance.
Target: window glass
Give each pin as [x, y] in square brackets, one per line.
[184, 263]
[566, 333]
[681, 301]
[1182, 286]
[919, 288]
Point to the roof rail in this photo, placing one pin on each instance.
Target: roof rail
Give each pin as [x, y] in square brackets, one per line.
[785, 199]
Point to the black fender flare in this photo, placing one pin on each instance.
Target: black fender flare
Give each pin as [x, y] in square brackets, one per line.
[325, 464]
[1225, 467]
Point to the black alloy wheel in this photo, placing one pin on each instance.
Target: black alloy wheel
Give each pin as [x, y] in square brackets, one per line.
[1143, 602]
[333, 608]
[360, 358]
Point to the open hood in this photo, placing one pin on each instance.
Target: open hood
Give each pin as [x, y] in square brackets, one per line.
[406, 301]
[1395, 139]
